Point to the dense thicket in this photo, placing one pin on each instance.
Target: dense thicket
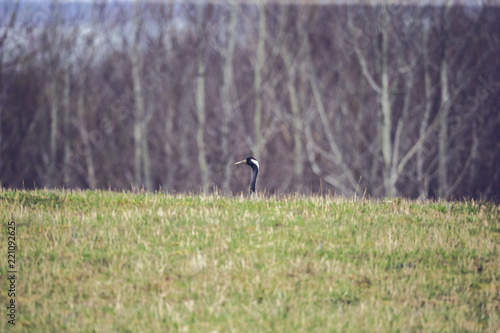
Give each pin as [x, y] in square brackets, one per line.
[381, 100]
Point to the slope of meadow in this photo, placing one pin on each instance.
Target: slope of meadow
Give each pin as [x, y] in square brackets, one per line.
[122, 262]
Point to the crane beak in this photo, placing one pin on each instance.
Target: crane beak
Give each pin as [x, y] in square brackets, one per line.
[240, 162]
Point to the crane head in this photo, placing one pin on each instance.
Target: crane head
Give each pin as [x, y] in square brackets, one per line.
[249, 161]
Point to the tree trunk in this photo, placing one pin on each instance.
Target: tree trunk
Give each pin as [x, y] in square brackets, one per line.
[297, 126]
[54, 111]
[259, 64]
[200, 103]
[66, 124]
[85, 147]
[3, 38]
[167, 146]
[422, 182]
[141, 149]
[226, 95]
[385, 107]
[146, 158]
[445, 108]
[474, 159]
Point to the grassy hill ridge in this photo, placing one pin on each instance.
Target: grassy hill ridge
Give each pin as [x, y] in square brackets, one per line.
[123, 262]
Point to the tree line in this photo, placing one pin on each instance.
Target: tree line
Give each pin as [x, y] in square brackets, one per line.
[351, 99]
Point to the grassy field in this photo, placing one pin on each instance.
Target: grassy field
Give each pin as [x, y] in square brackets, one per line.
[121, 262]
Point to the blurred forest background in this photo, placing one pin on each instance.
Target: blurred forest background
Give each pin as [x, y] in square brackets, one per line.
[381, 100]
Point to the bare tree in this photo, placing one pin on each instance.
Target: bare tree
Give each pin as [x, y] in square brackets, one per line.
[258, 87]
[226, 93]
[164, 57]
[445, 104]
[66, 124]
[422, 178]
[84, 148]
[201, 18]
[296, 70]
[3, 38]
[53, 35]
[141, 115]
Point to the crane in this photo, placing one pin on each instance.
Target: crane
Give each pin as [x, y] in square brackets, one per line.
[254, 164]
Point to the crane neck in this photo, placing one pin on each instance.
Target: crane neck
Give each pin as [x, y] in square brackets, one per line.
[255, 171]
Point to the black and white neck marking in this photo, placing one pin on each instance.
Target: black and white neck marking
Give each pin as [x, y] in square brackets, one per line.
[254, 164]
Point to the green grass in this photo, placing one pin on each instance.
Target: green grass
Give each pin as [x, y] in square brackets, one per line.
[98, 261]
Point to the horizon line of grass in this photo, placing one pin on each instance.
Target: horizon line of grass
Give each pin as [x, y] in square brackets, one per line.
[218, 193]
